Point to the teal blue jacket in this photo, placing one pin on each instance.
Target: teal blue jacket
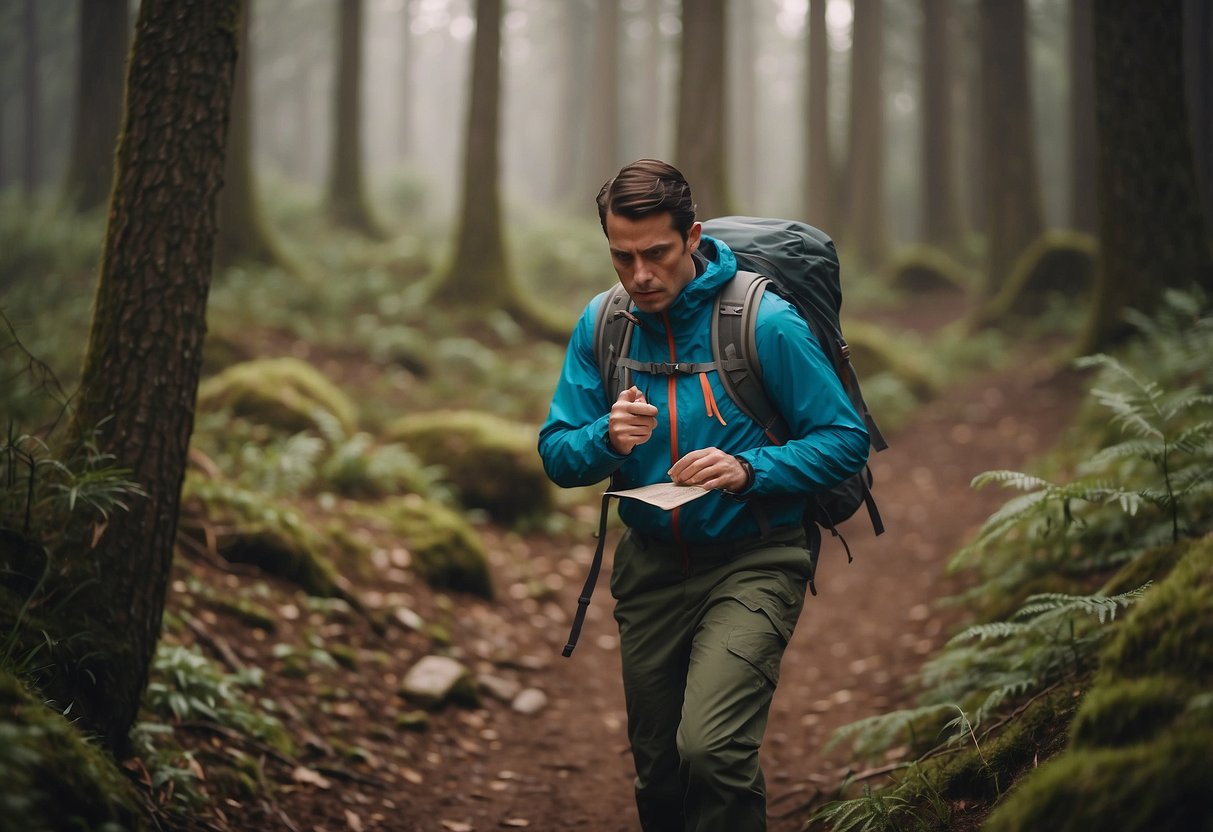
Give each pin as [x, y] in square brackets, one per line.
[830, 442]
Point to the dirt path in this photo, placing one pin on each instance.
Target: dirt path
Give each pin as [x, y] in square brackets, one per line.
[867, 631]
[567, 765]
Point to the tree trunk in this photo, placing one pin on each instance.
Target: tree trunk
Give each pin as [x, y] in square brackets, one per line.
[821, 202]
[144, 350]
[405, 76]
[31, 102]
[603, 139]
[572, 182]
[743, 136]
[1014, 210]
[1152, 232]
[243, 235]
[346, 195]
[940, 209]
[1198, 57]
[479, 273]
[700, 146]
[865, 225]
[100, 74]
[1083, 199]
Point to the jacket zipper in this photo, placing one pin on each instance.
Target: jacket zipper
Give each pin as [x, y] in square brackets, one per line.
[672, 403]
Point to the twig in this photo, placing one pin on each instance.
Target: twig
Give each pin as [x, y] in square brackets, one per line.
[220, 647]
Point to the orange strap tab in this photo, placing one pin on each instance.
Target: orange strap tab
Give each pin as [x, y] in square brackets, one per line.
[709, 400]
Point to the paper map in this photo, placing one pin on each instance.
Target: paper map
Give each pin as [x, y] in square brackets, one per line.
[664, 495]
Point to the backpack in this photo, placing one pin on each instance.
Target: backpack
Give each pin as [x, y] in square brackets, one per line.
[800, 264]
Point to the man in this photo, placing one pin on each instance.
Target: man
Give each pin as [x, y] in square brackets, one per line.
[705, 601]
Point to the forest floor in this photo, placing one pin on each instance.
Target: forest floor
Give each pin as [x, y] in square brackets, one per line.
[357, 764]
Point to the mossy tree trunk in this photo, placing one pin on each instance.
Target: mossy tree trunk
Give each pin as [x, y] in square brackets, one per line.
[940, 207]
[479, 274]
[1014, 211]
[821, 199]
[1151, 229]
[864, 225]
[243, 234]
[144, 352]
[100, 74]
[700, 144]
[1084, 212]
[347, 203]
[603, 117]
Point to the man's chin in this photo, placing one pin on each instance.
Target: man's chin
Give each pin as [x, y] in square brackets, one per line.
[650, 303]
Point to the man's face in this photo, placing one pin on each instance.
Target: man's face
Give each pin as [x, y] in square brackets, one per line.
[651, 258]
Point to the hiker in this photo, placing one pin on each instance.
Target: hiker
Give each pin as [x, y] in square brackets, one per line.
[708, 593]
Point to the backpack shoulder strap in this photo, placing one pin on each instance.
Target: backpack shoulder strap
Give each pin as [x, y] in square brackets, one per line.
[736, 352]
[612, 336]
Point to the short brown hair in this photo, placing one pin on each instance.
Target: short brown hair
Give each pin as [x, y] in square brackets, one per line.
[645, 187]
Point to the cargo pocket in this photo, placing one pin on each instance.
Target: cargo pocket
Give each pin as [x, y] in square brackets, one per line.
[761, 649]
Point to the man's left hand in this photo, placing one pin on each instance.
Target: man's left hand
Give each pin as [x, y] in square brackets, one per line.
[710, 468]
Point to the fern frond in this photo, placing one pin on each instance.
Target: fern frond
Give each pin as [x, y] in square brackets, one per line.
[1147, 449]
[1009, 479]
[880, 731]
[985, 632]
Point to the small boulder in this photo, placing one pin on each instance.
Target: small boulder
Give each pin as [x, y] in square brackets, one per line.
[436, 680]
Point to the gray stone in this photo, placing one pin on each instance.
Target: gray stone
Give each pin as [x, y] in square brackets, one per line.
[435, 679]
[530, 701]
[503, 690]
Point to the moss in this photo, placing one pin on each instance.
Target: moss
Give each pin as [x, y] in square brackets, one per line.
[251, 528]
[875, 350]
[492, 461]
[1140, 788]
[1059, 263]
[445, 550]
[1151, 565]
[283, 393]
[1129, 710]
[1170, 631]
[51, 777]
[1037, 733]
[245, 610]
[923, 268]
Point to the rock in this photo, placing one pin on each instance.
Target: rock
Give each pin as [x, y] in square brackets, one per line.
[503, 690]
[436, 679]
[530, 701]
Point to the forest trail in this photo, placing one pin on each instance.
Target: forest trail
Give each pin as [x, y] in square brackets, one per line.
[567, 766]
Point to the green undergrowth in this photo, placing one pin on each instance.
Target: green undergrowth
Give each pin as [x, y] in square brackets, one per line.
[1078, 698]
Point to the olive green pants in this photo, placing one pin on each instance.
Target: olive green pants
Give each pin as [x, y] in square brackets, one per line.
[701, 636]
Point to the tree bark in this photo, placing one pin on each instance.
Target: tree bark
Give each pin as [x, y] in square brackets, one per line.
[1084, 213]
[144, 352]
[821, 200]
[243, 235]
[479, 273]
[573, 184]
[743, 136]
[31, 102]
[346, 194]
[865, 226]
[1151, 229]
[100, 75]
[700, 145]
[940, 207]
[1198, 57]
[405, 125]
[603, 138]
[1013, 204]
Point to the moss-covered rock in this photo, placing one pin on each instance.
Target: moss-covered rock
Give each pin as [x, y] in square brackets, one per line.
[284, 393]
[1059, 264]
[51, 778]
[492, 461]
[1125, 711]
[923, 268]
[251, 528]
[1140, 788]
[445, 549]
[873, 351]
[1170, 631]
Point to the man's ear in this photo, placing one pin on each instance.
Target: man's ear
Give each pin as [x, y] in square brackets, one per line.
[693, 236]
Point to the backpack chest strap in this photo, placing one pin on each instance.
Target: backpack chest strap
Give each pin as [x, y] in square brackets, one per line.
[664, 368]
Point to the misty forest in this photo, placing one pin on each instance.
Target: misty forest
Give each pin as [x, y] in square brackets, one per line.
[285, 289]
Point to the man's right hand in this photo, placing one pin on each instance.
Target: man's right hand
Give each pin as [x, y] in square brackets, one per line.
[631, 421]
